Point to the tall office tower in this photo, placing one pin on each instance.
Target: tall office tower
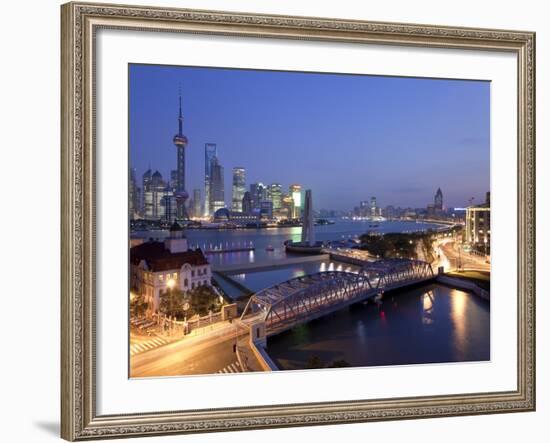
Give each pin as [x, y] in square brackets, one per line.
[217, 189]
[438, 201]
[296, 193]
[133, 206]
[180, 142]
[276, 195]
[247, 203]
[287, 203]
[146, 179]
[197, 203]
[239, 188]
[153, 197]
[138, 199]
[210, 153]
[145, 183]
[373, 206]
[258, 192]
[308, 231]
[168, 206]
[364, 209]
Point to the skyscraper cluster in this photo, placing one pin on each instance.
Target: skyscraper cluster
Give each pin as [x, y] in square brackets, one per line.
[160, 199]
[267, 200]
[367, 208]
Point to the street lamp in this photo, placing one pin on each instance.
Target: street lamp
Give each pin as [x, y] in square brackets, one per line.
[171, 283]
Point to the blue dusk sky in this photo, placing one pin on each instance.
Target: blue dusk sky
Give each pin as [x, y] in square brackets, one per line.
[346, 137]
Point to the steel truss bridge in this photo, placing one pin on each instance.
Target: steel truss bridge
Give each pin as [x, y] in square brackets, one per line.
[302, 299]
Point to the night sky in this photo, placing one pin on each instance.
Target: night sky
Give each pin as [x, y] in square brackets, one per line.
[346, 137]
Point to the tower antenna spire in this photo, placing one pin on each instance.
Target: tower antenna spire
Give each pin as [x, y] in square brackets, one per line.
[180, 118]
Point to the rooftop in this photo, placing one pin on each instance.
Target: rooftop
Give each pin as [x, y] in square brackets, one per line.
[158, 258]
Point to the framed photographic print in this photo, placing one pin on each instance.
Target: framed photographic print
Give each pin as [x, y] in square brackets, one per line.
[282, 221]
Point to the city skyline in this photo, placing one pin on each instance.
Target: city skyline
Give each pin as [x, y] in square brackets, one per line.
[397, 185]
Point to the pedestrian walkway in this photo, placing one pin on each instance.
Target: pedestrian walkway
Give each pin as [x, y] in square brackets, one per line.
[147, 345]
[232, 368]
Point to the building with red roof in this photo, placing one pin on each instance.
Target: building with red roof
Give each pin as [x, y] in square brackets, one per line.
[159, 266]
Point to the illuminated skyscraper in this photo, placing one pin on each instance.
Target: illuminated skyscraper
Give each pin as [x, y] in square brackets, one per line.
[210, 153]
[373, 206]
[180, 141]
[197, 202]
[296, 193]
[364, 209]
[276, 195]
[154, 193]
[239, 188]
[258, 192]
[287, 206]
[217, 190]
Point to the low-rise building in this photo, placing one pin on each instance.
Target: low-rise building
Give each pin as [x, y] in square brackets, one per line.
[158, 266]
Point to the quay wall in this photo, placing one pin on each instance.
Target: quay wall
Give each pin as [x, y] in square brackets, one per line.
[464, 284]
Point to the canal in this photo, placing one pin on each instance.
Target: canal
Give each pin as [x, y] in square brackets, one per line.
[428, 324]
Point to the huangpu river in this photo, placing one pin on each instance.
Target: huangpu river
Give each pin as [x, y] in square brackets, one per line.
[265, 238]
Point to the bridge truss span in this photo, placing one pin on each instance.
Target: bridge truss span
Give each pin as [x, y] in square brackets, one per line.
[305, 298]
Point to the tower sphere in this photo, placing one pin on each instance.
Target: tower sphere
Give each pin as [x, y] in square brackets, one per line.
[180, 140]
[181, 195]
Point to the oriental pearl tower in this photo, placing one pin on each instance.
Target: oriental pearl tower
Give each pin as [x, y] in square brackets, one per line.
[181, 195]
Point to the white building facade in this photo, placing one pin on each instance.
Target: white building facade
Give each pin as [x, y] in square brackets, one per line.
[157, 267]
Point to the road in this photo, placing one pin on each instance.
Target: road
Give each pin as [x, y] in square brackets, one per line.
[469, 261]
[207, 354]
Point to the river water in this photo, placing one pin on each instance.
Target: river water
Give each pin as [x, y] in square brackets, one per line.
[429, 324]
[274, 237]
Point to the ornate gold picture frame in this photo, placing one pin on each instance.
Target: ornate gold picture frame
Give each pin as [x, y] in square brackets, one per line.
[80, 22]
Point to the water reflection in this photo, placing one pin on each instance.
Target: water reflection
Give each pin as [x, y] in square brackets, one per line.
[459, 302]
[450, 326]
[427, 308]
